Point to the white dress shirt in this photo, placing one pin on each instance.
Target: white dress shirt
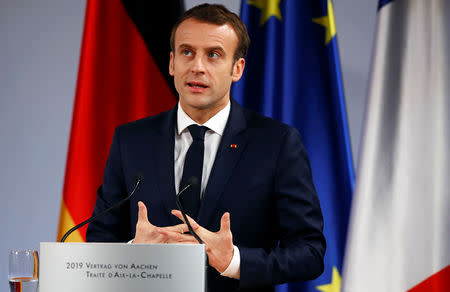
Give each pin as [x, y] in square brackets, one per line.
[183, 139]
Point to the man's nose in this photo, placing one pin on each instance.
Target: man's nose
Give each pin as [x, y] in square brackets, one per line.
[199, 64]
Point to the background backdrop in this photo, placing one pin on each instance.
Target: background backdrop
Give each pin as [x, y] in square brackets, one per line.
[39, 53]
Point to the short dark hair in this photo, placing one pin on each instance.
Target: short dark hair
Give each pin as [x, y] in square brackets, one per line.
[220, 15]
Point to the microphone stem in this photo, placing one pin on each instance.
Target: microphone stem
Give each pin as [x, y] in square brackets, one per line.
[191, 230]
[101, 213]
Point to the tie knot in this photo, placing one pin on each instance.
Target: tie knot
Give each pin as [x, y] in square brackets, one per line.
[197, 132]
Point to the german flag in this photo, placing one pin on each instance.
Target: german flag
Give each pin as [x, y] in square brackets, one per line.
[123, 76]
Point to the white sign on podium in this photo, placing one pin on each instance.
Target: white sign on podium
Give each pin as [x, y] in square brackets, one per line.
[89, 267]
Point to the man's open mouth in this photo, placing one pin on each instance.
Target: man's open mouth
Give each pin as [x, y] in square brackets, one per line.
[197, 85]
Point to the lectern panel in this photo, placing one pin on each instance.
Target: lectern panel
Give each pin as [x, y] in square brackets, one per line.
[113, 267]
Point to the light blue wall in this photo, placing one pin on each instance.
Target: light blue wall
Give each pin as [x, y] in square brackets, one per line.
[39, 50]
[39, 53]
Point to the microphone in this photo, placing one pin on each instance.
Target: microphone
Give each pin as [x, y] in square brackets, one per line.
[138, 180]
[191, 182]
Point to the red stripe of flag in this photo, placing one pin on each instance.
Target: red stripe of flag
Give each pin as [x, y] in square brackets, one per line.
[118, 82]
[436, 283]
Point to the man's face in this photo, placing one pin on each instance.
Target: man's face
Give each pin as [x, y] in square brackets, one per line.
[203, 67]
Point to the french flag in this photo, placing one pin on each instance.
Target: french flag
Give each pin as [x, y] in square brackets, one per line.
[399, 233]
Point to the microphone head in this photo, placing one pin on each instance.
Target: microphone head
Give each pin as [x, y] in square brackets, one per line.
[193, 181]
[139, 177]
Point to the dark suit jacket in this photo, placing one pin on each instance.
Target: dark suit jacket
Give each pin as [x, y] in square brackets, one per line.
[265, 183]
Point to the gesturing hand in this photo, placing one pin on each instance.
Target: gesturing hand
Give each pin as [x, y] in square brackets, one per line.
[219, 245]
[148, 233]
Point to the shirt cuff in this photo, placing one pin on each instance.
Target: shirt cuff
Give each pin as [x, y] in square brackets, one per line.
[234, 268]
[131, 241]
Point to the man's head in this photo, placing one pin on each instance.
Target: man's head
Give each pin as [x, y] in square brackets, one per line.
[208, 48]
[219, 15]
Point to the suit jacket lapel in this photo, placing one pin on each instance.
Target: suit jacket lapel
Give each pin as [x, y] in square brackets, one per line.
[231, 147]
[164, 162]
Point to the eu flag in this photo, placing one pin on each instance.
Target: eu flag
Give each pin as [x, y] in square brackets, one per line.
[293, 75]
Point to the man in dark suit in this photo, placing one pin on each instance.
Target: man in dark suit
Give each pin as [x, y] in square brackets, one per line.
[255, 207]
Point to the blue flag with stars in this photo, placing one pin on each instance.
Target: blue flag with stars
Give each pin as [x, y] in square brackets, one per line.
[293, 75]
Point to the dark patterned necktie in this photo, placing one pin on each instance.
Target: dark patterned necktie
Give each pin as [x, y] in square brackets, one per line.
[193, 166]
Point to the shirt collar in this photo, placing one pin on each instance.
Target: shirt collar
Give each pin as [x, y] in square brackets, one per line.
[217, 123]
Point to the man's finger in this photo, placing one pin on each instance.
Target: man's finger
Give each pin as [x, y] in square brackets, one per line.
[225, 222]
[175, 236]
[180, 228]
[142, 213]
[180, 216]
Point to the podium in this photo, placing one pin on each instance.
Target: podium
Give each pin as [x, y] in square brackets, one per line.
[114, 267]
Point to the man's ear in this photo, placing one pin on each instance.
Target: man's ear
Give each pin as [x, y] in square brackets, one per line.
[171, 64]
[238, 69]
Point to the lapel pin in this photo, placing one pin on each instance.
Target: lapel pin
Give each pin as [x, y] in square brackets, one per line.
[233, 146]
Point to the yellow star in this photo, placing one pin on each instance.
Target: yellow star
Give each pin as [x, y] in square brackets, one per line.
[328, 22]
[335, 285]
[268, 8]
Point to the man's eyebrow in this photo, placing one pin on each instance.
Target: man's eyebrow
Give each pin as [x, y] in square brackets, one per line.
[217, 49]
[210, 49]
[185, 46]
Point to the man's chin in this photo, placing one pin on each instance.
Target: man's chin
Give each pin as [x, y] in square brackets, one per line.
[197, 101]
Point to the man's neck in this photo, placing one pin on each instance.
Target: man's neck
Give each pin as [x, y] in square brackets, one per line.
[201, 116]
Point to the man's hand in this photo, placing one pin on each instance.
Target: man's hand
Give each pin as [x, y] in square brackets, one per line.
[219, 245]
[148, 233]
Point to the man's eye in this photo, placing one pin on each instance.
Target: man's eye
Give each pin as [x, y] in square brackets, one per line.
[187, 53]
[213, 55]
